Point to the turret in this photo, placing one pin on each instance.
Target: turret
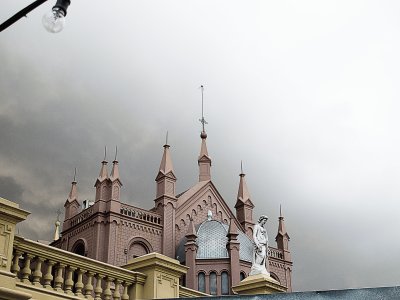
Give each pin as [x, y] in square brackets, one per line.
[166, 180]
[165, 202]
[71, 205]
[282, 238]
[244, 206]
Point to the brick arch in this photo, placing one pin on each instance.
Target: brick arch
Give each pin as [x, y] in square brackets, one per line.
[80, 247]
[139, 246]
[274, 276]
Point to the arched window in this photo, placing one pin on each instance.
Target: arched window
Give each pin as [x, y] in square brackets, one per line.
[273, 275]
[201, 280]
[242, 275]
[213, 283]
[224, 283]
[138, 249]
[79, 248]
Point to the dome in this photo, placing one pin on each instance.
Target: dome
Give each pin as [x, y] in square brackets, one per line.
[211, 241]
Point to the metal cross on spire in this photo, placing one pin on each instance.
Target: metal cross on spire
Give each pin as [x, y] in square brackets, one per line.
[202, 120]
[58, 212]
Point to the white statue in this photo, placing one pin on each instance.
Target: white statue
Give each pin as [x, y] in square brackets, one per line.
[260, 255]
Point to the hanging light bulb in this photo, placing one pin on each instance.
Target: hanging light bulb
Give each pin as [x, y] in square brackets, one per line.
[54, 20]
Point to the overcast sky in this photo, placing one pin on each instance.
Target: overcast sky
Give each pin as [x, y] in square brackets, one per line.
[306, 93]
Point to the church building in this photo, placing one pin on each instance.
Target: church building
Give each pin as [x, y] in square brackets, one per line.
[196, 227]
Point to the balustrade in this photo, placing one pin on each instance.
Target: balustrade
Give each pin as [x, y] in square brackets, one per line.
[140, 214]
[60, 271]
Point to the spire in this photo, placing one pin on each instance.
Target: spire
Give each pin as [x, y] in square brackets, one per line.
[204, 160]
[281, 228]
[57, 225]
[243, 192]
[166, 180]
[282, 238]
[103, 171]
[73, 194]
[166, 165]
[115, 168]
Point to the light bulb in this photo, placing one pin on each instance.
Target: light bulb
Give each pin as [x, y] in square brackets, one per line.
[54, 21]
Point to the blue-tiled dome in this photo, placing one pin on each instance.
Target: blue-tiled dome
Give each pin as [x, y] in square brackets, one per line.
[211, 242]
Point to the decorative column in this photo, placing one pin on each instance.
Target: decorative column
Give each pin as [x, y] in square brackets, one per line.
[190, 256]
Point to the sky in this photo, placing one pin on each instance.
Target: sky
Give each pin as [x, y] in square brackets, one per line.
[305, 93]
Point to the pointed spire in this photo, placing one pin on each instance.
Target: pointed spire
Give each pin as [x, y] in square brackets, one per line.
[57, 225]
[204, 160]
[103, 171]
[115, 168]
[166, 165]
[281, 227]
[243, 192]
[73, 193]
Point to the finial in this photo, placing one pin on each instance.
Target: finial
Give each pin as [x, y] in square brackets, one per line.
[209, 215]
[166, 139]
[74, 176]
[105, 153]
[202, 120]
[241, 167]
[116, 152]
[280, 211]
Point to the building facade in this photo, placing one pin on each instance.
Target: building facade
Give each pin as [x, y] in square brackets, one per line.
[197, 227]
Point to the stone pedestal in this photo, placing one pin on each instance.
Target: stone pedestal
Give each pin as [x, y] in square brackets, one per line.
[258, 284]
[10, 216]
[163, 274]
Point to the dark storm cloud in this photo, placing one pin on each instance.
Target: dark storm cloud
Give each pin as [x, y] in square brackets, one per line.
[311, 110]
[10, 189]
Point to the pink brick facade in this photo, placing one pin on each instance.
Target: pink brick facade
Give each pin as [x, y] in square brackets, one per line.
[114, 232]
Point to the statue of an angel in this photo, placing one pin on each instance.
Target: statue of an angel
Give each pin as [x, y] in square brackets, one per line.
[260, 254]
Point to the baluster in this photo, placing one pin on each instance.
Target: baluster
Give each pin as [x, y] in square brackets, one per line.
[79, 284]
[26, 271]
[117, 294]
[125, 295]
[37, 274]
[15, 266]
[69, 282]
[48, 277]
[107, 291]
[89, 286]
[58, 281]
[98, 290]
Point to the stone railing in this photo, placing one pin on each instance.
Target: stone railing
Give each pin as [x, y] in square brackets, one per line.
[275, 253]
[185, 292]
[44, 269]
[140, 214]
[83, 215]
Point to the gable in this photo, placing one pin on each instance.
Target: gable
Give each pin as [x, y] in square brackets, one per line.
[195, 204]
